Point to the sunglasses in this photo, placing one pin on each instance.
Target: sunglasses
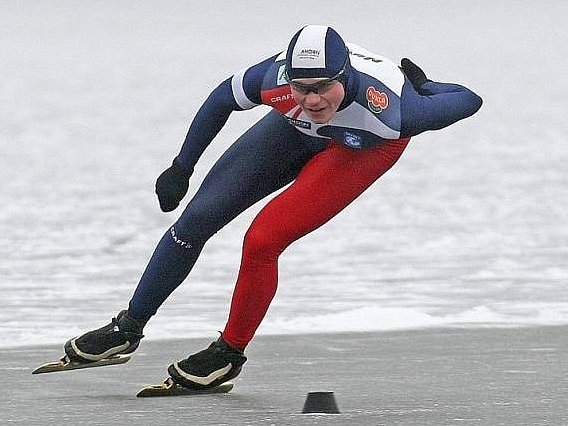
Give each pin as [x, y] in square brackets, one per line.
[319, 87]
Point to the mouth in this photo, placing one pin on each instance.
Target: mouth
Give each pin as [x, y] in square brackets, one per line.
[315, 110]
[318, 115]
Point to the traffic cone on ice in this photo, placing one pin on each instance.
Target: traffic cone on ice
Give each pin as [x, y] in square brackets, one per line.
[320, 403]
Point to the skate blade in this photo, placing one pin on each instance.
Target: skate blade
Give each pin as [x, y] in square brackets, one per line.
[65, 364]
[169, 388]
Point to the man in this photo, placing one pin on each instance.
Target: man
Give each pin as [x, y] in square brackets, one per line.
[342, 116]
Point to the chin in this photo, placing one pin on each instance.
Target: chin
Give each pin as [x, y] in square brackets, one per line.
[320, 119]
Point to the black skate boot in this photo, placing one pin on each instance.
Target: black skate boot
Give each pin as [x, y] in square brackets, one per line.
[121, 336]
[208, 368]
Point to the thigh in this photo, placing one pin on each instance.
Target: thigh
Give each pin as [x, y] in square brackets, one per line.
[264, 159]
[329, 182]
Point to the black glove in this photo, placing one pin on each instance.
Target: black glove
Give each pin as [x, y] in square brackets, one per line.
[172, 185]
[414, 73]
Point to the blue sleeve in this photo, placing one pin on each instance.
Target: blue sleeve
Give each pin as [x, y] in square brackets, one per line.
[239, 92]
[436, 106]
[253, 79]
[208, 121]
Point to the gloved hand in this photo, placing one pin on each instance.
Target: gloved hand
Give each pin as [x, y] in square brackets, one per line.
[172, 185]
[414, 73]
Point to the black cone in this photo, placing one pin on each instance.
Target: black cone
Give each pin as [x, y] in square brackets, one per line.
[320, 402]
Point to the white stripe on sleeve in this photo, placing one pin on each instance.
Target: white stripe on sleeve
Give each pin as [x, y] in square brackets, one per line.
[239, 92]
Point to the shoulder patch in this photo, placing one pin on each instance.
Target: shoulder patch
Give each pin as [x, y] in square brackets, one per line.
[377, 100]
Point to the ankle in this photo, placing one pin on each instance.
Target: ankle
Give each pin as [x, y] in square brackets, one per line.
[130, 323]
[232, 344]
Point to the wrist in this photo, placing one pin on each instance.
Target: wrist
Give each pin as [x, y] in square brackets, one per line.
[182, 169]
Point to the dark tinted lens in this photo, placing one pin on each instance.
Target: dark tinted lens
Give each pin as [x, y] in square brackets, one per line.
[319, 87]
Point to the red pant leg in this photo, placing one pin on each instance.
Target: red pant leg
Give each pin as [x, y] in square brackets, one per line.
[325, 186]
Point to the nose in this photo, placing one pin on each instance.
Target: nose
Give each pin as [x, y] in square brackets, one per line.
[312, 98]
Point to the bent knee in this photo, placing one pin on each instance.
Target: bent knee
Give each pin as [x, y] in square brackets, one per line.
[263, 243]
[195, 228]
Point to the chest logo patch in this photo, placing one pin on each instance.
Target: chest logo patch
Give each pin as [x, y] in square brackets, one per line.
[377, 101]
[353, 140]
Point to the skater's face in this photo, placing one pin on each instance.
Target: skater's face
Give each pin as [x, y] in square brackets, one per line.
[319, 98]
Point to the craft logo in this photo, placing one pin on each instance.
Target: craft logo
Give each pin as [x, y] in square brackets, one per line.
[299, 123]
[378, 101]
[177, 240]
[285, 97]
[353, 140]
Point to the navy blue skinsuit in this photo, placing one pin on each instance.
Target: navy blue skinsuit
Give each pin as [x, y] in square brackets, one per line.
[380, 104]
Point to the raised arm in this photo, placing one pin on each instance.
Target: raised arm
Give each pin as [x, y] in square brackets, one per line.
[429, 105]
